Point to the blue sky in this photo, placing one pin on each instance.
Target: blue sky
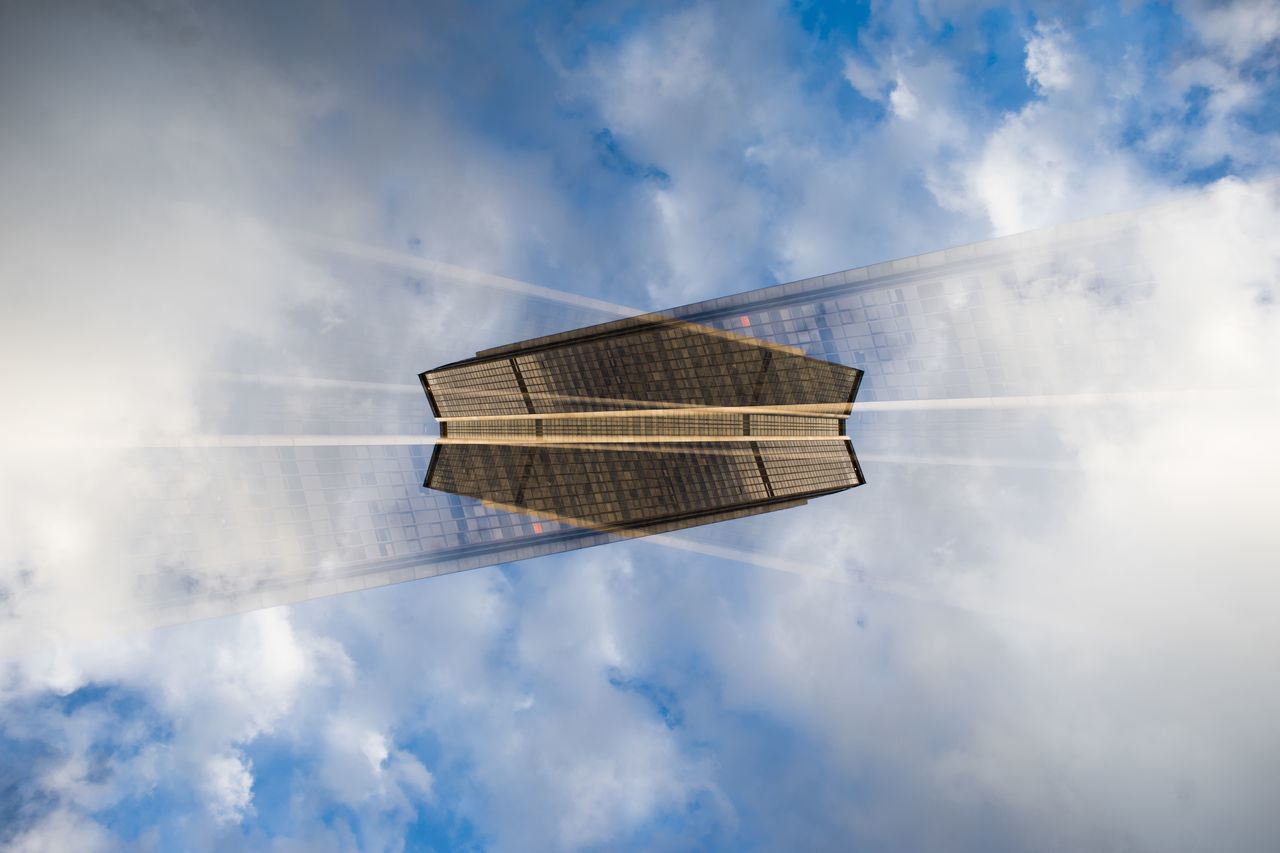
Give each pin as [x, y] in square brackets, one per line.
[1066, 661]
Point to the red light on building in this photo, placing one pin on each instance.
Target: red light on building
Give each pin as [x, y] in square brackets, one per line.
[537, 527]
[746, 321]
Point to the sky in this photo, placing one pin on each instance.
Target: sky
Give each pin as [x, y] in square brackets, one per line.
[955, 657]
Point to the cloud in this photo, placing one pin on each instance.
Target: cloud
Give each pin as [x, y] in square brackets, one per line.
[1239, 29]
[126, 281]
[1076, 651]
[152, 247]
[61, 830]
[1019, 654]
[904, 103]
[517, 684]
[228, 784]
[1048, 59]
[362, 766]
[865, 80]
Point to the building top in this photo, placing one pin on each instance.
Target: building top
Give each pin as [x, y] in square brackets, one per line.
[642, 425]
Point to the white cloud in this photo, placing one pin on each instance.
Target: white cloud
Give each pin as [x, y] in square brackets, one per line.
[586, 762]
[1056, 158]
[228, 786]
[1063, 156]
[902, 101]
[679, 96]
[141, 251]
[62, 830]
[1239, 29]
[214, 688]
[126, 281]
[865, 80]
[1049, 59]
[363, 770]
[1042, 166]
[1078, 651]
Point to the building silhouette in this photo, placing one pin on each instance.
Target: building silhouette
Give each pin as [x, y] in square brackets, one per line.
[643, 425]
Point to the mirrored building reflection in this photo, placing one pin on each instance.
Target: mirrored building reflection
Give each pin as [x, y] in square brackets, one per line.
[644, 425]
[314, 486]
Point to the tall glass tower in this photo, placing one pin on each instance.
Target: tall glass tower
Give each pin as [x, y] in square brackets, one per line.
[329, 496]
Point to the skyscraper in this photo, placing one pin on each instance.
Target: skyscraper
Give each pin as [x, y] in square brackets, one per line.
[317, 486]
[642, 425]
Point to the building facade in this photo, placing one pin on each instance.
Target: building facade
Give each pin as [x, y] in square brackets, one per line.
[642, 425]
[953, 374]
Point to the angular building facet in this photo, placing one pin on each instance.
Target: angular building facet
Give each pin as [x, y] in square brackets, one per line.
[643, 425]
